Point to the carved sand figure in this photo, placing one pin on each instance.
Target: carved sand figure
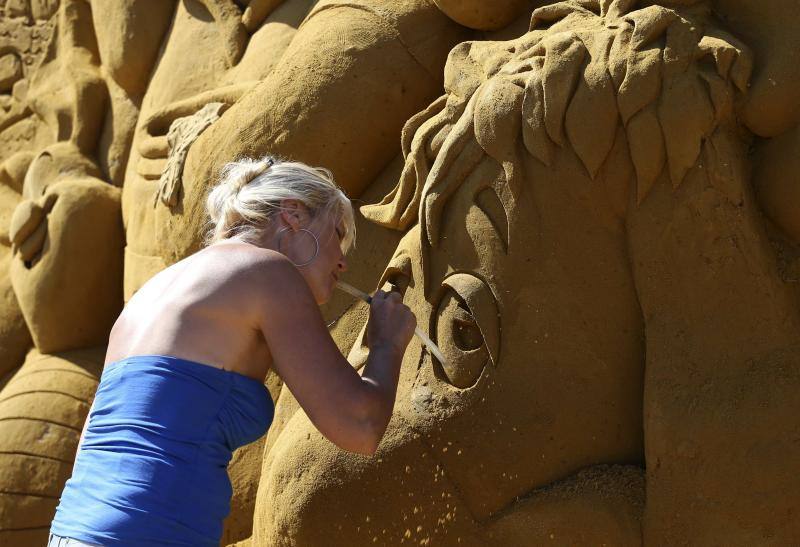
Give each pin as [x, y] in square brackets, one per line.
[579, 193]
[66, 241]
[22, 47]
[43, 402]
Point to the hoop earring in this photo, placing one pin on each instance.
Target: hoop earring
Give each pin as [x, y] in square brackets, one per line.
[282, 232]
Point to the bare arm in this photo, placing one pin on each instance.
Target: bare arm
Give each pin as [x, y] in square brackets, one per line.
[352, 411]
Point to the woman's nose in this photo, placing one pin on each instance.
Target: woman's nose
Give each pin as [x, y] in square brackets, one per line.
[342, 264]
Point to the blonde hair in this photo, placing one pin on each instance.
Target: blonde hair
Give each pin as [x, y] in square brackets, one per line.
[250, 192]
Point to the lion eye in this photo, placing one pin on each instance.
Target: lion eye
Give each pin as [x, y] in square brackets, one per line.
[466, 334]
[466, 328]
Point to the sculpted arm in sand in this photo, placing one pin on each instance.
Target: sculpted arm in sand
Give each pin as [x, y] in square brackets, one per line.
[384, 64]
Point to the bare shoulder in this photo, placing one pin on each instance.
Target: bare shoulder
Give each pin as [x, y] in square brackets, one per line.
[263, 273]
[245, 258]
[260, 265]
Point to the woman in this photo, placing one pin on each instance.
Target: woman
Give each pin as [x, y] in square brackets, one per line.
[183, 384]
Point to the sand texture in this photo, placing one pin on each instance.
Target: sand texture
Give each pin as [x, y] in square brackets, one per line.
[590, 205]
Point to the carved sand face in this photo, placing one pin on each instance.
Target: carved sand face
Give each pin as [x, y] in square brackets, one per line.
[541, 338]
[518, 184]
[544, 372]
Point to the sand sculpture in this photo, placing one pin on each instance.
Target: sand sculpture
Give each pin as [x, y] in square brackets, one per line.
[595, 220]
[570, 202]
[74, 104]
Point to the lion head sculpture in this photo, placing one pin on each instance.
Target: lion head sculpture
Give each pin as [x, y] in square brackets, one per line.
[517, 195]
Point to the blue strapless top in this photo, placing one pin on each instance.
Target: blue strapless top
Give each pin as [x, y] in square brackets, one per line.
[152, 469]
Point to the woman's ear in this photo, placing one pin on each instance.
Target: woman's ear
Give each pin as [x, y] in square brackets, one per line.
[293, 213]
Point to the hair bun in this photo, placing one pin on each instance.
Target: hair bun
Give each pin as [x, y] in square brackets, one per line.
[250, 171]
[245, 214]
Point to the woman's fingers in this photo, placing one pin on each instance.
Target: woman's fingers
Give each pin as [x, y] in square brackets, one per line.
[379, 295]
[391, 321]
[382, 296]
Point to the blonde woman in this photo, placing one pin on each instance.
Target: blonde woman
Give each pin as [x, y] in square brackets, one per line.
[183, 384]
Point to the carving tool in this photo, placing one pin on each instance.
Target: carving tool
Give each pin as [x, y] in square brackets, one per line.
[427, 342]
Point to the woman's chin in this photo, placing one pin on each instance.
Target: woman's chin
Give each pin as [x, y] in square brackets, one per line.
[324, 296]
[332, 288]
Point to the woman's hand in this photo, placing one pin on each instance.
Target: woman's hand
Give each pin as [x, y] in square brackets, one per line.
[391, 323]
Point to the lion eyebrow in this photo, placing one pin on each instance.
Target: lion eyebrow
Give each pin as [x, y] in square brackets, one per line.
[489, 202]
